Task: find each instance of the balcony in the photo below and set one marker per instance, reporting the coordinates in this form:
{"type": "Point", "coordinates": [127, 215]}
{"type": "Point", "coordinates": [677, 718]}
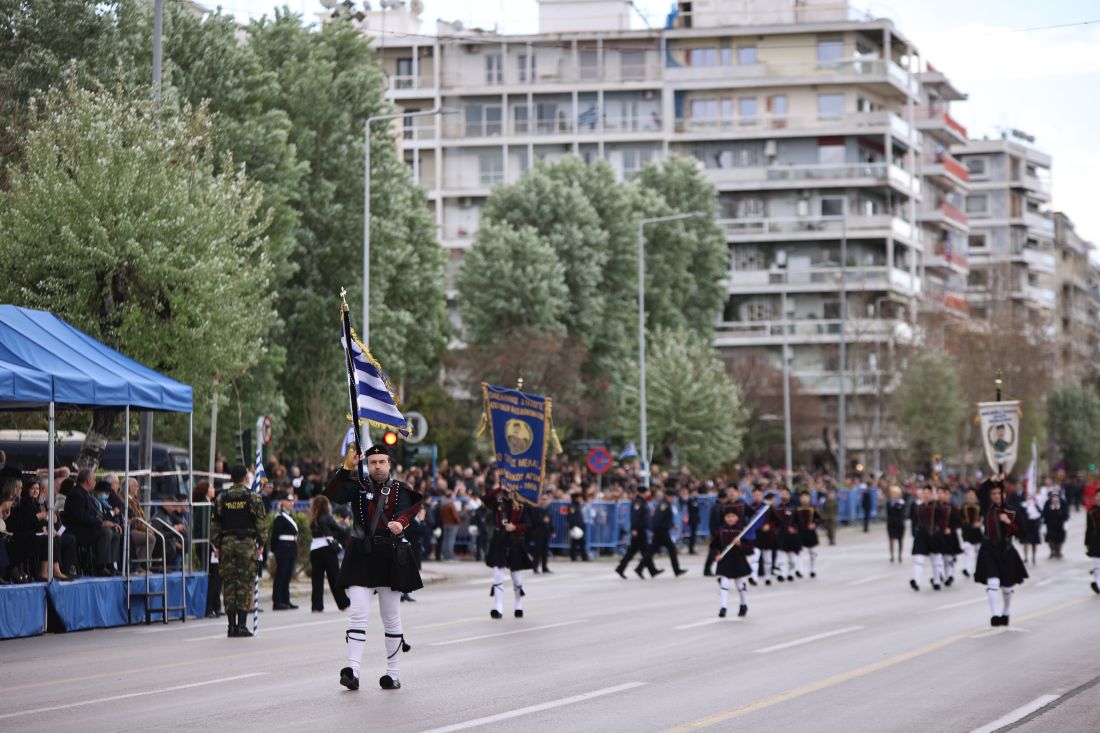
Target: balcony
{"type": "Point", "coordinates": [861, 71]}
{"type": "Point", "coordinates": [1039, 222]}
{"type": "Point", "coordinates": [1039, 260]}
{"type": "Point", "coordinates": [806, 331]}
{"type": "Point", "coordinates": [817, 227]}
{"type": "Point", "coordinates": [766, 125]}
{"type": "Point", "coordinates": [822, 278]}
{"type": "Point", "coordinates": [799, 176]}
{"type": "Point", "coordinates": [1044, 298]}
{"type": "Point", "coordinates": [945, 257]}
{"type": "Point", "coordinates": [946, 170]}
{"type": "Point", "coordinates": [948, 216]}
{"type": "Point", "coordinates": [941, 125]}
{"type": "Point", "coordinates": [644, 72]}
{"type": "Point", "coordinates": [409, 85]}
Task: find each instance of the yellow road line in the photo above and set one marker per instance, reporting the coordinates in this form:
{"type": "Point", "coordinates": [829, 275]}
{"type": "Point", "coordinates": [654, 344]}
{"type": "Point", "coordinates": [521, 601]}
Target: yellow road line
{"type": "Point", "coordinates": [850, 675]}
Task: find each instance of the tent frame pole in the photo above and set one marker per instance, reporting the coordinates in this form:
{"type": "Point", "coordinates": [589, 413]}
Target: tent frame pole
{"type": "Point", "coordinates": [51, 436]}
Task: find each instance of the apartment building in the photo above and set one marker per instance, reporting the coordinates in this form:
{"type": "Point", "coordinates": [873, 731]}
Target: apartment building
{"type": "Point", "coordinates": [822, 131]}
{"type": "Point", "coordinates": [1077, 323]}
{"type": "Point", "coordinates": [1013, 265]}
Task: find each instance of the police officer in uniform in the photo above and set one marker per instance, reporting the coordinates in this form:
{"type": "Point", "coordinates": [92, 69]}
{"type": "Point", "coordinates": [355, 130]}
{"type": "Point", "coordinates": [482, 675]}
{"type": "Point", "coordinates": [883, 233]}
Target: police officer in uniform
{"type": "Point", "coordinates": [662, 531]}
{"type": "Point", "coordinates": [541, 532]}
{"type": "Point", "coordinates": [378, 560]}
{"type": "Point", "coordinates": [238, 514]}
{"type": "Point", "coordinates": [577, 545]}
{"type": "Point", "coordinates": [639, 523]}
{"type": "Point", "coordinates": [284, 542]}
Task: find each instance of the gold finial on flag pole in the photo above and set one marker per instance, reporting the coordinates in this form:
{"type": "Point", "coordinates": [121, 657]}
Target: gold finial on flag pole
{"type": "Point", "coordinates": [343, 300]}
{"type": "Point", "coordinates": [519, 383]}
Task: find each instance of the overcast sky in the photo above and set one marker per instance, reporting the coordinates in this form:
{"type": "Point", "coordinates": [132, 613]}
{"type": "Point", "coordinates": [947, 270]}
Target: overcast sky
{"type": "Point", "coordinates": [1019, 72]}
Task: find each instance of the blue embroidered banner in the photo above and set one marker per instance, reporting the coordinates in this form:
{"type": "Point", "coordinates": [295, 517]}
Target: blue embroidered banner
{"type": "Point", "coordinates": [520, 425]}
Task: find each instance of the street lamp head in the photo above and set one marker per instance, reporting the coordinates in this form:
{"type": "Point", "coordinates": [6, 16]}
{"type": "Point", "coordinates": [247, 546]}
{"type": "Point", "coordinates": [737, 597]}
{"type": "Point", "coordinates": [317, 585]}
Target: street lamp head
{"type": "Point", "coordinates": [446, 111]}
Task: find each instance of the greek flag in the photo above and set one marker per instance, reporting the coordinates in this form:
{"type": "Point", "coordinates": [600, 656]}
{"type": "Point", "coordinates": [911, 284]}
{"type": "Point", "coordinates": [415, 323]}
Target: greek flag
{"type": "Point", "coordinates": [374, 397]}
{"type": "Point", "coordinates": [259, 477]}
{"type": "Point", "coordinates": [631, 451]}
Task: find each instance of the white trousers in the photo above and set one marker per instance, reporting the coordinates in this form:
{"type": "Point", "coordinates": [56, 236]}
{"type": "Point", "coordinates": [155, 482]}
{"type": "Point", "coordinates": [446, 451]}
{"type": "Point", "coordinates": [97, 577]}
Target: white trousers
{"type": "Point", "coordinates": [498, 588]}
{"type": "Point", "coordinates": [389, 608]}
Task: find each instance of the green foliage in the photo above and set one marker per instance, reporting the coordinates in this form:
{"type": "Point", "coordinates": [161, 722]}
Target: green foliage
{"type": "Point", "coordinates": [126, 223]}
{"type": "Point", "coordinates": [451, 423]}
{"type": "Point", "coordinates": [696, 415]}
{"type": "Point", "coordinates": [1073, 424]}
{"type": "Point", "coordinates": [929, 407]}
{"type": "Point", "coordinates": [510, 280]}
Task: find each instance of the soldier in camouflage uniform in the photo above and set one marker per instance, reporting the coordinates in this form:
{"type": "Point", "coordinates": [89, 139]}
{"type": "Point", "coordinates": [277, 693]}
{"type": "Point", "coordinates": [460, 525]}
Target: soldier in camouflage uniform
{"type": "Point", "coordinates": [238, 515]}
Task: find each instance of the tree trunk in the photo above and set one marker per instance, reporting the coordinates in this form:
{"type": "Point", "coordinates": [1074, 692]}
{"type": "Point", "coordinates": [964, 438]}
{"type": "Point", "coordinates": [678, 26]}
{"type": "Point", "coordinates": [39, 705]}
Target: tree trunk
{"type": "Point", "coordinates": [95, 442]}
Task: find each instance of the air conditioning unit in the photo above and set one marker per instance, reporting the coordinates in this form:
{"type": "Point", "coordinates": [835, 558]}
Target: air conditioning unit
{"type": "Point", "coordinates": [648, 94]}
{"type": "Point", "coordinates": [770, 148]}
{"type": "Point", "coordinates": [465, 202]}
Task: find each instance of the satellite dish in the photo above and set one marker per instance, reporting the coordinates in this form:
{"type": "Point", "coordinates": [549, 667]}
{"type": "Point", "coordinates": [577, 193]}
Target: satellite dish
{"type": "Point", "coordinates": [459, 26]}
{"type": "Point", "coordinates": [416, 6]}
{"type": "Point", "coordinates": [329, 4]}
{"type": "Point", "coordinates": [366, 5]}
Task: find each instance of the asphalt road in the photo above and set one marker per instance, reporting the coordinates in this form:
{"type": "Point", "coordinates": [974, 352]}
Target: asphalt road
{"type": "Point", "coordinates": [852, 650]}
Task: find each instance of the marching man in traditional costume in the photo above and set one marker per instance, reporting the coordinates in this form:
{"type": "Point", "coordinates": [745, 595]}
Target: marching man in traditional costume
{"type": "Point", "coordinates": [508, 548]}
{"type": "Point", "coordinates": [999, 567]}
{"type": "Point", "coordinates": [378, 559]}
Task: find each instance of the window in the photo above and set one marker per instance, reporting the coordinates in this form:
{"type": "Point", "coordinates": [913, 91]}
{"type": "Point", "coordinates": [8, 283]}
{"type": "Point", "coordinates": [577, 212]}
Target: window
{"type": "Point", "coordinates": [832, 206]}
{"type": "Point", "coordinates": [632, 65]}
{"type": "Point", "coordinates": [976, 166]}
{"type": "Point", "coordinates": [408, 130]}
{"type": "Point", "coordinates": [483, 120]}
{"type": "Point", "coordinates": [726, 55]}
{"type": "Point", "coordinates": [758, 310]}
{"type": "Point", "coordinates": [777, 105]}
{"type": "Point", "coordinates": [746, 109]}
{"type": "Point", "coordinates": [634, 159]}
{"type": "Point", "coordinates": [747, 257]}
{"type": "Point", "coordinates": [521, 66]}
{"type": "Point", "coordinates": [977, 204]}
{"type": "Point", "coordinates": [749, 207]}
{"type": "Point", "coordinates": [700, 57]}
{"type": "Point", "coordinates": [590, 64]}
{"type": "Point", "coordinates": [519, 120]}
{"type": "Point", "coordinates": [746, 55]}
{"type": "Point", "coordinates": [829, 53]}
{"type": "Point", "coordinates": [404, 78]}
{"type": "Point", "coordinates": [546, 115]}
{"type": "Point", "coordinates": [831, 154]}
{"type": "Point", "coordinates": [830, 106]}
{"type": "Point", "coordinates": [491, 168]}
{"type": "Point", "coordinates": [704, 108]}
{"type": "Point", "coordinates": [494, 69]}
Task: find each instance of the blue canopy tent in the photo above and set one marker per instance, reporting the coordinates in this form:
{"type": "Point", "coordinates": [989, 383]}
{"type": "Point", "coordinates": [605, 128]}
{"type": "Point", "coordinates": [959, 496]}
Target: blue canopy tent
{"type": "Point", "coordinates": [46, 363]}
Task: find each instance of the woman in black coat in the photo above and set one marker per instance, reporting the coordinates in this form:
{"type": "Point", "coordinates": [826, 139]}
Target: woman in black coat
{"type": "Point", "coordinates": [324, 552]}
{"type": "Point", "coordinates": [1055, 516]}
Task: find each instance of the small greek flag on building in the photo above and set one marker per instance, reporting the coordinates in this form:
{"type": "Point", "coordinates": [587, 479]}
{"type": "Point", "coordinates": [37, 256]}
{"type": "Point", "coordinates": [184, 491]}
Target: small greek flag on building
{"type": "Point", "coordinates": [374, 396]}
{"type": "Point", "coordinates": [259, 477]}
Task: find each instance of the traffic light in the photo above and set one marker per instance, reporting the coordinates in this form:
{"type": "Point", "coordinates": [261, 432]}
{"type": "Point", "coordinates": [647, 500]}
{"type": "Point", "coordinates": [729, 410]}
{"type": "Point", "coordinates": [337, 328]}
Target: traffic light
{"type": "Point", "coordinates": [390, 438]}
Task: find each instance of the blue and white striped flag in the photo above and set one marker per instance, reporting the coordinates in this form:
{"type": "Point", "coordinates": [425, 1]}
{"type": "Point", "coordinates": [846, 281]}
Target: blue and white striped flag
{"type": "Point", "coordinates": [374, 397]}
{"type": "Point", "coordinates": [631, 451]}
{"type": "Point", "coordinates": [259, 477]}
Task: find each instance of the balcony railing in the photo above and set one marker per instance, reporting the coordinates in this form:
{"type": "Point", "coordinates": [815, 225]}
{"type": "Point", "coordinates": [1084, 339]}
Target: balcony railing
{"type": "Point", "coordinates": [950, 164]}
{"type": "Point", "coordinates": [407, 82]}
{"type": "Point", "coordinates": [802, 225]}
{"type": "Point", "coordinates": [859, 120]}
{"type": "Point", "coordinates": [950, 254]}
{"type": "Point", "coordinates": [843, 70]}
{"type": "Point", "coordinates": [1039, 222]}
{"type": "Point", "coordinates": [563, 72]}
{"type": "Point", "coordinates": [804, 328]}
{"type": "Point", "coordinates": [865, 277]}
{"type": "Point", "coordinates": [940, 115]}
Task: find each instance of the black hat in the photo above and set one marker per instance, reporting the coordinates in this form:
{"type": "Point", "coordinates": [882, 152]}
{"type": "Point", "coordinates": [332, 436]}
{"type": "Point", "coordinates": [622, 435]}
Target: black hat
{"type": "Point", "coordinates": [376, 450]}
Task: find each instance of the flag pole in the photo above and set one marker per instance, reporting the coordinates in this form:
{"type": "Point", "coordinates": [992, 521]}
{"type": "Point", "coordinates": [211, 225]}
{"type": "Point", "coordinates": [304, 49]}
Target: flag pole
{"type": "Point", "coordinates": [353, 397]}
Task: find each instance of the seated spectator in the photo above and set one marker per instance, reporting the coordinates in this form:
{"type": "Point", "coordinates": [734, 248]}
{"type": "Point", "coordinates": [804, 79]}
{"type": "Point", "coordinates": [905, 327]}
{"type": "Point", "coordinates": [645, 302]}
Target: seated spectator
{"type": "Point", "coordinates": [8, 471]}
{"type": "Point", "coordinates": [28, 524]}
{"type": "Point", "coordinates": [176, 518]}
{"type": "Point", "coordinates": [84, 517]}
{"type": "Point", "coordinates": [5, 561]}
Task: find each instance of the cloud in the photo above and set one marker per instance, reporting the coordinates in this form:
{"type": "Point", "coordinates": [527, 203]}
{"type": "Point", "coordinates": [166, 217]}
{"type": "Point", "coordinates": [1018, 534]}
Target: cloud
{"type": "Point", "coordinates": [982, 52]}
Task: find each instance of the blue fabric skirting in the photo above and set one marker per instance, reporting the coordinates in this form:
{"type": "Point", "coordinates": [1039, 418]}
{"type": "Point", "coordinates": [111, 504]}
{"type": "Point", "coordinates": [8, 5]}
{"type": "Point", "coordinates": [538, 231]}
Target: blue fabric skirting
{"type": "Point", "coordinates": [91, 603]}
{"type": "Point", "coordinates": [22, 610]}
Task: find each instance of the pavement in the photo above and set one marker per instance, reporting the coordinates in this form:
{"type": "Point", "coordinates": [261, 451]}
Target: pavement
{"type": "Point", "coordinates": [853, 650]}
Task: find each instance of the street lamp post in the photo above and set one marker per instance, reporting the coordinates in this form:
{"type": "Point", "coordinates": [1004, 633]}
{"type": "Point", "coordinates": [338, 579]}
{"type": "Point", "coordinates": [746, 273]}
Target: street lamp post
{"type": "Point", "coordinates": [842, 407]}
{"type": "Point", "coordinates": [366, 200]}
{"type": "Point", "coordinates": [644, 448]}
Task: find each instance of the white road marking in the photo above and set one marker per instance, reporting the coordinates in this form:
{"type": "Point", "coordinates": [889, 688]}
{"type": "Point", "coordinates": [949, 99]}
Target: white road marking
{"type": "Point", "coordinates": [960, 604]}
{"type": "Point", "coordinates": [808, 639]}
{"type": "Point", "coordinates": [507, 633]}
{"type": "Point", "coordinates": [997, 632]}
{"type": "Point", "coordinates": [536, 708]}
{"type": "Point", "coordinates": [129, 695]}
{"type": "Point", "coordinates": [270, 629]}
{"type": "Point", "coordinates": [867, 580]}
{"type": "Point", "coordinates": [1017, 714]}
{"type": "Point", "coordinates": [708, 622]}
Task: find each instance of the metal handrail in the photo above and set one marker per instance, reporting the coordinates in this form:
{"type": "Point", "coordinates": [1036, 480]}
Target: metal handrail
{"type": "Point", "coordinates": [183, 578]}
{"type": "Point", "coordinates": [149, 560]}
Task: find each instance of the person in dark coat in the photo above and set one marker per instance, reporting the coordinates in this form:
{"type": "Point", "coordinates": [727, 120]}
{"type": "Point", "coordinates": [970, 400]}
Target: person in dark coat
{"type": "Point", "coordinates": [999, 566]}
{"type": "Point", "coordinates": [1092, 542]}
{"type": "Point", "coordinates": [377, 558]}
{"type": "Point", "coordinates": [324, 552]}
{"type": "Point", "coordinates": [84, 517]}
{"type": "Point", "coordinates": [1055, 516]}
{"type": "Point", "coordinates": [508, 547]}
{"type": "Point", "coordinates": [896, 510]}
{"type": "Point", "coordinates": [734, 565]}
{"type": "Point", "coordinates": [541, 532]}
{"type": "Point", "coordinates": [639, 542]}
{"type": "Point", "coordinates": [577, 528]}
